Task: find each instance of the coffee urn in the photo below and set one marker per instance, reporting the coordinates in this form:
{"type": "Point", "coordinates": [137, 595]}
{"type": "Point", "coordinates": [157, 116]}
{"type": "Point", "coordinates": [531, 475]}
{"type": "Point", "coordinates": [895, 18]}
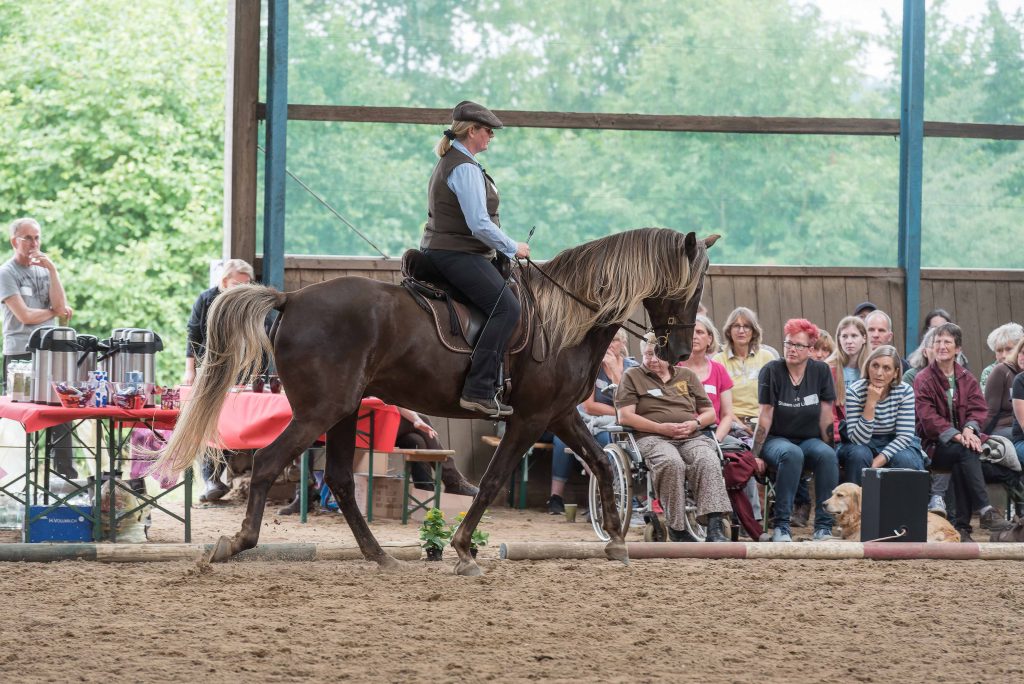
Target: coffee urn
{"type": "Point", "coordinates": [138, 355]}
{"type": "Point", "coordinates": [88, 346]}
{"type": "Point", "coordinates": [110, 360]}
{"type": "Point", "coordinates": [54, 359]}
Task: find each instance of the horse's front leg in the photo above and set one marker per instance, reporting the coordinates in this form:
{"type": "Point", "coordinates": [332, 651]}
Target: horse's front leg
{"type": "Point", "coordinates": [573, 431]}
{"type": "Point", "coordinates": [520, 435]}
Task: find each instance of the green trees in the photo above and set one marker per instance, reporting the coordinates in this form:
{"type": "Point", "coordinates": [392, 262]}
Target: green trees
{"type": "Point", "coordinates": [111, 126]}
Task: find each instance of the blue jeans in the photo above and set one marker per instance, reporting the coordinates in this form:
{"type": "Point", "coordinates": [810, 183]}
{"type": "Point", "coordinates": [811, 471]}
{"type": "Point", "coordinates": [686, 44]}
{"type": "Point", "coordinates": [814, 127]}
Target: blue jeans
{"type": "Point", "coordinates": [855, 457]}
{"type": "Point", "coordinates": [788, 459]}
{"type": "Point", "coordinates": [562, 464]}
{"type": "Point", "coordinates": [1019, 446]}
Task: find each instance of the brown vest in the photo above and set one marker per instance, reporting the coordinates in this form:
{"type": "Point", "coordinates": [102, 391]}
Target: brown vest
{"type": "Point", "coordinates": [446, 226]}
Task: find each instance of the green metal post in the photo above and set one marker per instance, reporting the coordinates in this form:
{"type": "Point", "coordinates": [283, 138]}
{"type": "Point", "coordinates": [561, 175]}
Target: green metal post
{"type": "Point", "coordinates": [524, 466]}
{"type": "Point", "coordinates": [189, 479]}
{"type": "Point", "coordinates": [304, 486]}
{"type": "Point", "coordinates": [277, 119]}
{"type": "Point", "coordinates": [405, 493]}
{"type": "Point", "coordinates": [97, 483]}
{"type": "Point", "coordinates": [369, 477]}
{"type": "Point", "coordinates": [911, 162]}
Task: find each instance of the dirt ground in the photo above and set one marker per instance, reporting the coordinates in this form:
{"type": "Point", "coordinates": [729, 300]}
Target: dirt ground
{"type": "Point", "coordinates": [655, 620]}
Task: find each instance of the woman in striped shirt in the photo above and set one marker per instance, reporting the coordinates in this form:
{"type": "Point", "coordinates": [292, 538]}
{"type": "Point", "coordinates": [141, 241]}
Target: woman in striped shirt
{"type": "Point", "coordinates": [880, 419]}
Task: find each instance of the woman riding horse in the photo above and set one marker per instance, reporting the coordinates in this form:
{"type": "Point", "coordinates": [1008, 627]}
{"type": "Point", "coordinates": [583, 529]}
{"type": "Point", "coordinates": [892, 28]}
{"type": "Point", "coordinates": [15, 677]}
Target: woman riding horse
{"type": "Point", "coordinates": [461, 237]}
{"type": "Point", "coordinates": [371, 338]}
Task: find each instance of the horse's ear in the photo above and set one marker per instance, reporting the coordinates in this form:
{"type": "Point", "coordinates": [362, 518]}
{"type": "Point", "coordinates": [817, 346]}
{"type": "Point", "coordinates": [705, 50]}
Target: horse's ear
{"type": "Point", "coordinates": [710, 240]}
{"type": "Point", "coordinates": [690, 243]}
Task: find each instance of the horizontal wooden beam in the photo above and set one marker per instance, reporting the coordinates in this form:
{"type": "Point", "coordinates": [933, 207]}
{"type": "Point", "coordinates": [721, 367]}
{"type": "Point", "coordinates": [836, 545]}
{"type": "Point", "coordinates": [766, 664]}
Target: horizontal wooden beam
{"type": "Point", "coordinates": [360, 263]}
{"type": "Point", "coordinates": [656, 122]}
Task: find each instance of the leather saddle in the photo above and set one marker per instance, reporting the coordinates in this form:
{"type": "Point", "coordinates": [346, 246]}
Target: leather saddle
{"type": "Point", "coordinates": [458, 322]}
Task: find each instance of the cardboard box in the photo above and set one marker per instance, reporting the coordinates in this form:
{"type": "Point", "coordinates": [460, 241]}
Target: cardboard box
{"type": "Point", "coordinates": [384, 463]}
{"type": "Point", "coordinates": [387, 499]}
{"type": "Point", "coordinates": [62, 524]}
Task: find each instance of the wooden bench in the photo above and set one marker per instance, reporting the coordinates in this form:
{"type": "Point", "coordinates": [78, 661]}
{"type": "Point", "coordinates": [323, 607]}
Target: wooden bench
{"type": "Point", "coordinates": [410, 456]}
{"type": "Point", "coordinates": [523, 475]}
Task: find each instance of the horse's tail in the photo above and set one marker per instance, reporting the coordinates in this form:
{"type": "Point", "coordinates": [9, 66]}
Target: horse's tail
{"type": "Point", "coordinates": [235, 343]}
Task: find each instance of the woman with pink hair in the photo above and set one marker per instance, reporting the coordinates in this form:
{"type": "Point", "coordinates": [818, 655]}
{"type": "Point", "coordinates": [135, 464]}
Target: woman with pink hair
{"type": "Point", "coordinates": [794, 427]}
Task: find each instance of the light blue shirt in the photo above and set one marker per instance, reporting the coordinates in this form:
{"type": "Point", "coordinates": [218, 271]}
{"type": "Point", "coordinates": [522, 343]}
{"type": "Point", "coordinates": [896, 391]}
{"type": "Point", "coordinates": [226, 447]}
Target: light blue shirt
{"type": "Point", "coordinates": [467, 182]}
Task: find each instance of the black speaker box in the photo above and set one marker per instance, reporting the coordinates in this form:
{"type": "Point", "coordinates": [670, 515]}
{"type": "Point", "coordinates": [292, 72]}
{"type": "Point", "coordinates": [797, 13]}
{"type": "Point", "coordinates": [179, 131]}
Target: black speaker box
{"type": "Point", "coordinates": [894, 499]}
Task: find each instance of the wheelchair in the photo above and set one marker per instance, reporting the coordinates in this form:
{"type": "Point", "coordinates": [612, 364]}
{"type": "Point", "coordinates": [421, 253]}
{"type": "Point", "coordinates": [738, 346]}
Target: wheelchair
{"type": "Point", "coordinates": [633, 489]}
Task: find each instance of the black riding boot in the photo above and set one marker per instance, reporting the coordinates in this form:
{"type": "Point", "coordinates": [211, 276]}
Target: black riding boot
{"type": "Point", "coordinates": [680, 536]}
{"type": "Point", "coordinates": [716, 528]}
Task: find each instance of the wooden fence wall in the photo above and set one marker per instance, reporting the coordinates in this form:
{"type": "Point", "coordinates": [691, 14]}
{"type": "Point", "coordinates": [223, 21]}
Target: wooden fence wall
{"type": "Point", "coordinates": [978, 300]}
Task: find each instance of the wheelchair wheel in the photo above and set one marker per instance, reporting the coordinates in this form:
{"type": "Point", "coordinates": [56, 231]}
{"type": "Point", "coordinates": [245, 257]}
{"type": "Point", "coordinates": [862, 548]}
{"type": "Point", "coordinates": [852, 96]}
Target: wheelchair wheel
{"type": "Point", "coordinates": [621, 487]}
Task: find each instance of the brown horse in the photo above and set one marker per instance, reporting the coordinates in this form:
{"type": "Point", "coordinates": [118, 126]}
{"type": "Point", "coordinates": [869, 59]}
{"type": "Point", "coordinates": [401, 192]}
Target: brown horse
{"type": "Point", "coordinates": [341, 340]}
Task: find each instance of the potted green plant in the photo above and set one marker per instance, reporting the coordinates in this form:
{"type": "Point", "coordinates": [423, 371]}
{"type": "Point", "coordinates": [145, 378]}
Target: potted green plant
{"type": "Point", "coordinates": [435, 534]}
{"type": "Point", "coordinates": [479, 537]}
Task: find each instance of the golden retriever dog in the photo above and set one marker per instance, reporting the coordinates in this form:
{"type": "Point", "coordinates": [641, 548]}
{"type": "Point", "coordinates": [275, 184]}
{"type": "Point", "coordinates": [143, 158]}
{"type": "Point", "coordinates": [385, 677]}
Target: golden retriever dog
{"type": "Point", "coordinates": [844, 504]}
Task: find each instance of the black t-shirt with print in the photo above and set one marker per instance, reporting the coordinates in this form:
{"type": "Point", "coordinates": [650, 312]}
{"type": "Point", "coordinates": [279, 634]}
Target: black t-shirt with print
{"type": "Point", "coordinates": [797, 413]}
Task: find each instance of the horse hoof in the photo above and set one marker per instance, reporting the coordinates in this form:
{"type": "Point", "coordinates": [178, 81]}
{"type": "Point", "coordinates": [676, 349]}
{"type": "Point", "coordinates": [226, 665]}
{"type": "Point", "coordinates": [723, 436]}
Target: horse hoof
{"type": "Point", "coordinates": [468, 569]}
{"type": "Point", "coordinates": [390, 564]}
{"type": "Point", "coordinates": [617, 551]}
{"type": "Point", "coordinates": [220, 552]}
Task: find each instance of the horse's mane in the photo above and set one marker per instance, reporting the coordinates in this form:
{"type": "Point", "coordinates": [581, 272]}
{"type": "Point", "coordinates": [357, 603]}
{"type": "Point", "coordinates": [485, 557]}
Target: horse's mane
{"type": "Point", "coordinates": [614, 274]}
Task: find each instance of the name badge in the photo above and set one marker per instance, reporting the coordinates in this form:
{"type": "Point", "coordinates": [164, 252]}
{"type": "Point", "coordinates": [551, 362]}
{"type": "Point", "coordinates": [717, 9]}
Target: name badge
{"type": "Point", "coordinates": [710, 389]}
{"type": "Point", "coordinates": [811, 400]}
{"type": "Point", "coordinates": [655, 392]}
{"type": "Point", "coordinates": [26, 291]}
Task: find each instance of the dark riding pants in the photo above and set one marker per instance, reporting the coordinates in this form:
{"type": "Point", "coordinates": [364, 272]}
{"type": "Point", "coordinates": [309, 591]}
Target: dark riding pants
{"type": "Point", "coordinates": [479, 281]}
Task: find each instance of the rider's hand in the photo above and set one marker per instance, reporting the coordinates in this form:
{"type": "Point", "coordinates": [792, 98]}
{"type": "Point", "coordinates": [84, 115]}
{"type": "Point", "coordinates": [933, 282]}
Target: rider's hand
{"type": "Point", "coordinates": [522, 250]}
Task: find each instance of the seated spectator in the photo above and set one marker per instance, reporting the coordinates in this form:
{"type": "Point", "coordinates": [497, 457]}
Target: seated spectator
{"type": "Point", "coordinates": [743, 357]}
{"type": "Point", "coordinates": [718, 386]}
{"type": "Point", "coordinates": [416, 432]}
{"type": "Point", "coordinates": [863, 309]}
{"type": "Point", "coordinates": [950, 409]}
{"type": "Point", "coordinates": [598, 410]}
{"type": "Point", "coordinates": [999, 420]}
{"type": "Point", "coordinates": [920, 357]}
{"type": "Point", "coordinates": [669, 408]}
{"type": "Point", "coordinates": [879, 325]}
{"type": "Point", "coordinates": [880, 419]}
{"type": "Point", "coordinates": [824, 346]}
{"type": "Point", "coordinates": [794, 429]}
{"type": "Point", "coordinates": [1001, 341]}
{"type": "Point", "coordinates": [852, 337]}
{"type": "Point", "coordinates": [934, 319]}
{"type": "Point", "coordinates": [1017, 399]}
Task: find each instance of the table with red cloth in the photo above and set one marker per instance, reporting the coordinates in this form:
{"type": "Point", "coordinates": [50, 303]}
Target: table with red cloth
{"type": "Point", "coordinates": [252, 420]}
{"type": "Point", "coordinates": [110, 423]}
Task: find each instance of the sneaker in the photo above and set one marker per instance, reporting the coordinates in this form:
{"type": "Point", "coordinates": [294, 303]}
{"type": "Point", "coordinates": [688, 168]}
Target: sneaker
{"type": "Point", "coordinates": [937, 505]}
{"type": "Point", "coordinates": [215, 491]}
{"type": "Point", "coordinates": [637, 519]}
{"type": "Point", "coordinates": [822, 534]}
{"type": "Point", "coordinates": [801, 514]}
{"type": "Point", "coordinates": [488, 406]}
{"type": "Point", "coordinates": [993, 520]}
{"type": "Point", "coordinates": [781, 534]}
{"type": "Point", "coordinates": [556, 505]}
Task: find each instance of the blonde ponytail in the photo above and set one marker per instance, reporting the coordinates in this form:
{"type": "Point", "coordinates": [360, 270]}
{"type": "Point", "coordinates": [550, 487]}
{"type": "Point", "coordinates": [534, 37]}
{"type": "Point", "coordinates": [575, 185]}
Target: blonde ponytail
{"type": "Point", "coordinates": [460, 129]}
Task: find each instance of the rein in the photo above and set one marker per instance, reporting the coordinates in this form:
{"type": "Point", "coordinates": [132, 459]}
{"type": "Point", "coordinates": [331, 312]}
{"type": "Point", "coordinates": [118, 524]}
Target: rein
{"type": "Point", "coordinates": [661, 340]}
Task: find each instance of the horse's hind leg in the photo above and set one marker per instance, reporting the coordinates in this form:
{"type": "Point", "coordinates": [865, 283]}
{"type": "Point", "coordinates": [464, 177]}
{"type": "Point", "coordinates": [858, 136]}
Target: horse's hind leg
{"type": "Point", "coordinates": [341, 441]}
{"type": "Point", "coordinates": [577, 437]}
{"type": "Point", "coordinates": [267, 464]}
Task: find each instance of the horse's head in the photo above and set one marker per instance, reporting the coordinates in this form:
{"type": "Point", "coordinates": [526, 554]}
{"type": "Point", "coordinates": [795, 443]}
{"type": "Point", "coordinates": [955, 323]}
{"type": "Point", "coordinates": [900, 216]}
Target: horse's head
{"type": "Point", "coordinates": [672, 320]}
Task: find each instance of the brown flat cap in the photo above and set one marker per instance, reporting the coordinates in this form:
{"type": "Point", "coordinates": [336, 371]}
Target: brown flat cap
{"type": "Point", "coordinates": [471, 111]}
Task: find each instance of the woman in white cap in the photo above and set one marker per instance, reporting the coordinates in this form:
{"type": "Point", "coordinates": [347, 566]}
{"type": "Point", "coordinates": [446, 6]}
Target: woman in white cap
{"type": "Point", "coordinates": [461, 238]}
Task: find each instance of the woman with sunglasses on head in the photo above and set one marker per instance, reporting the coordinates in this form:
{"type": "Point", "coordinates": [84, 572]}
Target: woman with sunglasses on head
{"type": "Point", "coordinates": [461, 238]}
{"type": "Point", "coordinates": [743, 356]}
{"type": "Point", "coordinates": [794, 428]}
